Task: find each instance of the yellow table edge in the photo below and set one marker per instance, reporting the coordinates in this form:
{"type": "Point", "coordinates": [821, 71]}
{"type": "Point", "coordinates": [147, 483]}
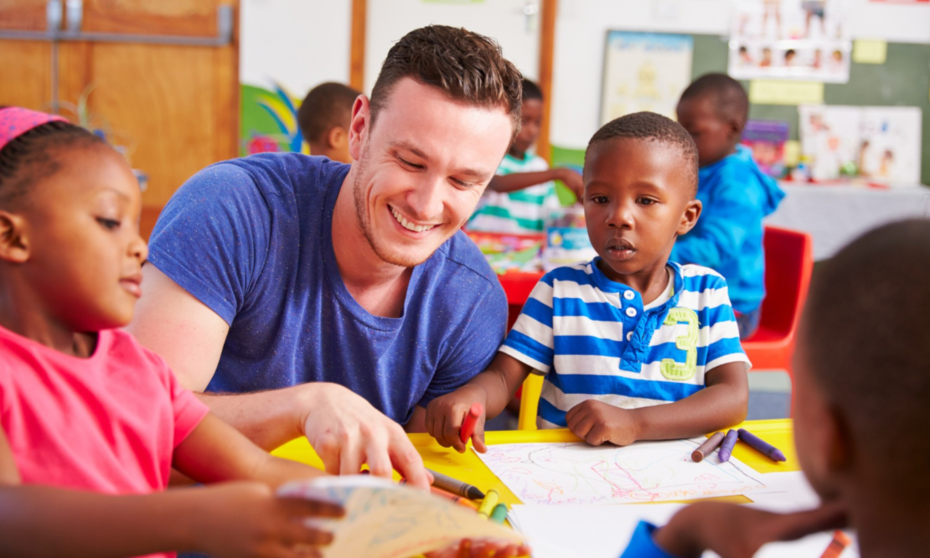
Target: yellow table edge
{"type": "Point", "coordinates": [468, 467]}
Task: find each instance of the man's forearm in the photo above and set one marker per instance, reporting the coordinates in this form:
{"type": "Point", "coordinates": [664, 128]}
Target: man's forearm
{"type": "Point", "coordinates": [268, 418]}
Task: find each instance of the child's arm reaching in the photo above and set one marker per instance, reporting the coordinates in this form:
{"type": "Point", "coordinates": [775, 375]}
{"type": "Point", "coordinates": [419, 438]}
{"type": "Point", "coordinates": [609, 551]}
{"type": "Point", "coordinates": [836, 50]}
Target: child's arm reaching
{"type": "Point", "coordinates": [521, 180]}
{"type": "Point", "coordinates": [229, 520]}
{"type": "Point", "coordinates": [722, 403]}
{"type": "Point", "coordinates": [493, 388]}
{"type": "Point", "coordinates": [737, 531]}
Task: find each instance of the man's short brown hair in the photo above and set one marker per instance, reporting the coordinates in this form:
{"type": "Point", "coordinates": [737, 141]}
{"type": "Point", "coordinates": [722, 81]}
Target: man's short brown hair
{"type": "Point", "coordinates": [466, 66]}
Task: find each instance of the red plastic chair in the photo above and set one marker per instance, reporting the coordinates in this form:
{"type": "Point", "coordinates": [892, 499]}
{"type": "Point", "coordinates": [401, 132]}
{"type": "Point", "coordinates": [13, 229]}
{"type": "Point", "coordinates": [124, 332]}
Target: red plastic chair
{"type": "Point", "coordinates": [789, 262]}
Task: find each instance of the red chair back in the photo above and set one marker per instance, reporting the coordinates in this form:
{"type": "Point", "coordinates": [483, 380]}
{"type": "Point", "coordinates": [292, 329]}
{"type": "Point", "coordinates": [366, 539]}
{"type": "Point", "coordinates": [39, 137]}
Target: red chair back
{"type": "Point", "coordinates": [788, 265]}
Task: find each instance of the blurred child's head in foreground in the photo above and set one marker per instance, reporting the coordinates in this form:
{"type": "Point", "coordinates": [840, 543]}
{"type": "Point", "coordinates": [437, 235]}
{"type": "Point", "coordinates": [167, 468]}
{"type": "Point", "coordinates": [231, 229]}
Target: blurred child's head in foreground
{"type": "Point", "coordinates": [640, 176]}
{"type": "Point", "coordinates": [70, 250]}
{"type": "Point", "coordinates": [862, 377]}
{"type": "Point", "coordinates": [714, 109]}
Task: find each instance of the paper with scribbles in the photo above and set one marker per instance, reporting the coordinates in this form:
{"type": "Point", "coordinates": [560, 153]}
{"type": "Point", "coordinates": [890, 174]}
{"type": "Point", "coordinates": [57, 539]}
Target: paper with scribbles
{"type": "Point", "coordinates": [578, 473]}
{"type": "Point", "coordinates": [387, 520]}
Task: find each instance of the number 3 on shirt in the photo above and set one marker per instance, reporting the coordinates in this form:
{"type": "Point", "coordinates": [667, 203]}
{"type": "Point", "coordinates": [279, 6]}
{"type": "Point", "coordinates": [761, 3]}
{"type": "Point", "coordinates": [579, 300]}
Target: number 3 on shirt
{"type": "Point", "coordinates": [688, 343]}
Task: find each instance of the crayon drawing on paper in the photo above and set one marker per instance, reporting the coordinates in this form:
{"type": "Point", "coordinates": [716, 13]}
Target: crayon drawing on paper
{"type": "Point", "coordinates": [577, 473]}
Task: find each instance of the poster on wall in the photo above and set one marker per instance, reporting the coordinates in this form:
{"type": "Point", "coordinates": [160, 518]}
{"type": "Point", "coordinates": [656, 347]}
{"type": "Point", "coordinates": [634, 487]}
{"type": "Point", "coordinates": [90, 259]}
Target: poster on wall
{"type": "Point", "coordinates": [644, 71]}
{"type": "Point", "coordinates": [879, 144]}
{"type": "Point", "coordinates": [790, 39]}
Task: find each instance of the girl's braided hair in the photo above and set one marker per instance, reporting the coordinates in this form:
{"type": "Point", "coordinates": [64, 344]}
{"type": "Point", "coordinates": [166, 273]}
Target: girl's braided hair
{"type": "Point", "coordinates": [30, 157]}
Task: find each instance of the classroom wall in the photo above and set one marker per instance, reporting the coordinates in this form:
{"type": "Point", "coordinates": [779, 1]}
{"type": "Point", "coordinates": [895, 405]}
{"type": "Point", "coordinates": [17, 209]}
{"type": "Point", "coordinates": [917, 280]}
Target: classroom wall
{"type": "Point", "coordinates": [298, 43]}
{"type": "Point", "coordinates": [514, 23]}
{"type": "Point", "coordinates": [582, 25]}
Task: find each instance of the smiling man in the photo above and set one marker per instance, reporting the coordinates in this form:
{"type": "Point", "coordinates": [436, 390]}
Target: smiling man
{"type": "Point", "coordinates": [307, 297]}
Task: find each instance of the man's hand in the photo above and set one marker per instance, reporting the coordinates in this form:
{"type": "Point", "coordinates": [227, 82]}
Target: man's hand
{"type": "Point", "coordinates": [244, 519]}
{"type": "Point", "coordinates": [597, 422]}
{"type": "Point", "coordinates": [347, 431]}
{"type": "Point", "coordinates": [738, 531]}
{"type": "Point", "coordinates": [445, 414]}
{"type": "Point", "coordinates": [572, 181]}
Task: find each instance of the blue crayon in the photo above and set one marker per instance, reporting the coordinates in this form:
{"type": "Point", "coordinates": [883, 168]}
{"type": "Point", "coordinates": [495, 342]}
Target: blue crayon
{"type": "Point", "coordinates": [761, 446]}
{"type": "Point", "coordinates": [726, 448]}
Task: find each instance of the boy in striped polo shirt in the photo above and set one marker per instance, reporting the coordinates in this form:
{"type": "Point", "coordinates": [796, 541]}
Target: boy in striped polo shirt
{"type": "Point", "coordinates": [633, 347]}
{"type": "Point", "coordinates": [522, 191]}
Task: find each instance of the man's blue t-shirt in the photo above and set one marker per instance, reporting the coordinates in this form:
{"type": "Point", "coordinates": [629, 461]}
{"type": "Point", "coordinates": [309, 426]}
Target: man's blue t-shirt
{"type": "Point", "coordinates": [252, 239]}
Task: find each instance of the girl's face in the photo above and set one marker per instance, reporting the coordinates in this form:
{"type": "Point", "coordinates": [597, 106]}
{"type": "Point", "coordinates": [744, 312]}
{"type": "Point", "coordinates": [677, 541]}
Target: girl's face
{"type": "Point", "coordinates": [82, 228]}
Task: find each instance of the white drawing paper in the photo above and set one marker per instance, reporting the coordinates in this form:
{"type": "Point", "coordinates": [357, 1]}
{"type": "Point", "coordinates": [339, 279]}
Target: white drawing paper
{"type": "Point", "coordinates": [577, 473]}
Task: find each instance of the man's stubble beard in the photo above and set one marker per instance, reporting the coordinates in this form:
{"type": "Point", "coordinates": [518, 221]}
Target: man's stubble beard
{"type": "Point", "coordinates": [364, 220]}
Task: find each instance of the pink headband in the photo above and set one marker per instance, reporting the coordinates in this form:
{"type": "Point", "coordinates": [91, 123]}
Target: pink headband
{"type": "Point", "coordinates": [16, 121]}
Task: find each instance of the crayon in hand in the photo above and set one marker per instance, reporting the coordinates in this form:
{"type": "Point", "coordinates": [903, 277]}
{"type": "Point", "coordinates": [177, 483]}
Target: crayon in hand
{"type": "Point", "coordinates": [726, 448]}
{"type": "Point", "coordinates": [761, 446]}
{"type": "Point", "coordinates": [471, 420]}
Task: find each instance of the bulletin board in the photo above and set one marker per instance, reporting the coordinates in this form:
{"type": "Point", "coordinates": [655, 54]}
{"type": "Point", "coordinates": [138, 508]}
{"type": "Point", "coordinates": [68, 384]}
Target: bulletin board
{"type": "Point", "coordinates": [903, 80]}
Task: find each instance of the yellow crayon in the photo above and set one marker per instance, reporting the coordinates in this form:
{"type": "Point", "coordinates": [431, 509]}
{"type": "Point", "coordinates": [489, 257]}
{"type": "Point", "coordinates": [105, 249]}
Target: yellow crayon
{"type": "Point", "coordinates": [487, 505]}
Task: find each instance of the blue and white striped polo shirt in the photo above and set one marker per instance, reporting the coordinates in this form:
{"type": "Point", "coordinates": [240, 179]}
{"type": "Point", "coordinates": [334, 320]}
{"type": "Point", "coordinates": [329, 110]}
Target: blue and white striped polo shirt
{"type": "Point", "coordinates": [593, 339]}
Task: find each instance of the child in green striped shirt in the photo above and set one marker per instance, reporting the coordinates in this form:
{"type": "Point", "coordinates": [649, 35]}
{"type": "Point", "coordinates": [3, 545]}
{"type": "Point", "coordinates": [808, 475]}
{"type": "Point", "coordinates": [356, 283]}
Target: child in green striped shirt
{"type": "Point", "coordinates": [523, 190]}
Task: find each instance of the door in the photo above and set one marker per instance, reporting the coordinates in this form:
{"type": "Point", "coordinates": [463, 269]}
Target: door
{"type": "Point", "coordinates": [172, 109]}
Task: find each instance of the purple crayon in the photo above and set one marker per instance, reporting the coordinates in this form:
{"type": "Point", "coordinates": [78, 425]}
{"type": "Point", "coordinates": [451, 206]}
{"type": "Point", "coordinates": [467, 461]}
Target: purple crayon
{"type": "Point", "coordinates": [761, 446]}
{"type": "Point", "coordinates": [726, 448]}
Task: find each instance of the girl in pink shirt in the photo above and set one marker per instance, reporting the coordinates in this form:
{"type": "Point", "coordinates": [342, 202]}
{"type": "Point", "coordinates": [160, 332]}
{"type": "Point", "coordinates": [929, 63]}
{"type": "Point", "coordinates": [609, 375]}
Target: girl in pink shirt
{"type": "Point", "coordinates": [91, 421]}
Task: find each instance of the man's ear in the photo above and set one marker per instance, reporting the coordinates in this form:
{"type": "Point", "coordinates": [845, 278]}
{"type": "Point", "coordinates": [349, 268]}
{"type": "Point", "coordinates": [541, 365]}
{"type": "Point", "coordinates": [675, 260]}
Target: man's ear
{"type": "Point", "coordinates": [14, 239]}
{"type": "Point", "coordinates": [359, 126]}
{"type": "Point", "coordinates": [337, 138]}
{"type": "Point", "coordinates": [689, 217]}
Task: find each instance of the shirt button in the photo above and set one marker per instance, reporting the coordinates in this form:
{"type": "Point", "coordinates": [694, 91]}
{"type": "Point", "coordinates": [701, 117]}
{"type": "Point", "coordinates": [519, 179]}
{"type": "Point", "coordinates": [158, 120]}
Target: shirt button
{"type": "Point", "coordinates": [631, 312]}
{"type": "Point", "coordinates": [629, 335]}
{"type": "Point", "coordinates": [629, 295]}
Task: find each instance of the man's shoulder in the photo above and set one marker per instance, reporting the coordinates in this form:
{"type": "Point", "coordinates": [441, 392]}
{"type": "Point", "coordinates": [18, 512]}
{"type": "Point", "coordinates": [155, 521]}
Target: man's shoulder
{"type": "Point", "coordinates": [465, 258]}
{"type": "Point", "coordinates": [283, 174]}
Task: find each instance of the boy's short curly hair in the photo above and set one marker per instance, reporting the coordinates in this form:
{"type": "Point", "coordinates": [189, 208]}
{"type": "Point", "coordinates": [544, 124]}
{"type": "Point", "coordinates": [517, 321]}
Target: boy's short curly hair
{"type": "Point", "coordinates": [864, 334]}
{"type": "Point", "coordinates": [29, 157]}
{"type": "Point", "coordinates": [649, 126]}
{"type": "Point", "coordinates": [466, 66]}
{"type": "Point", "coordinates": [326, 106]}
{"type": "Point", "coordinates": [728, 96]}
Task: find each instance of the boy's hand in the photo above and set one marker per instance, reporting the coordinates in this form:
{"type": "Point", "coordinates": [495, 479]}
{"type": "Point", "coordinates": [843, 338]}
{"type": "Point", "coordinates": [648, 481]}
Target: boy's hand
{"type": "Point", "coordinates": [468, 548]}
{"type": "Point", "coordinates": [244, 519]}
{"type": "Point", "coordinates": [572, 181]}
{"type": "Point", "coordinates": [738, 531]}
{"type": "Point", "coordinates": [445, 414]}
{"type": "Point", "coordinates": [597, 422]}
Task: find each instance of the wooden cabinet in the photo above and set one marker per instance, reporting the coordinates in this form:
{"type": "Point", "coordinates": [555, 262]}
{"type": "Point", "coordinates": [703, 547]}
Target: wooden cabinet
{"type": "Point", "coordinates": [173, 108]}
